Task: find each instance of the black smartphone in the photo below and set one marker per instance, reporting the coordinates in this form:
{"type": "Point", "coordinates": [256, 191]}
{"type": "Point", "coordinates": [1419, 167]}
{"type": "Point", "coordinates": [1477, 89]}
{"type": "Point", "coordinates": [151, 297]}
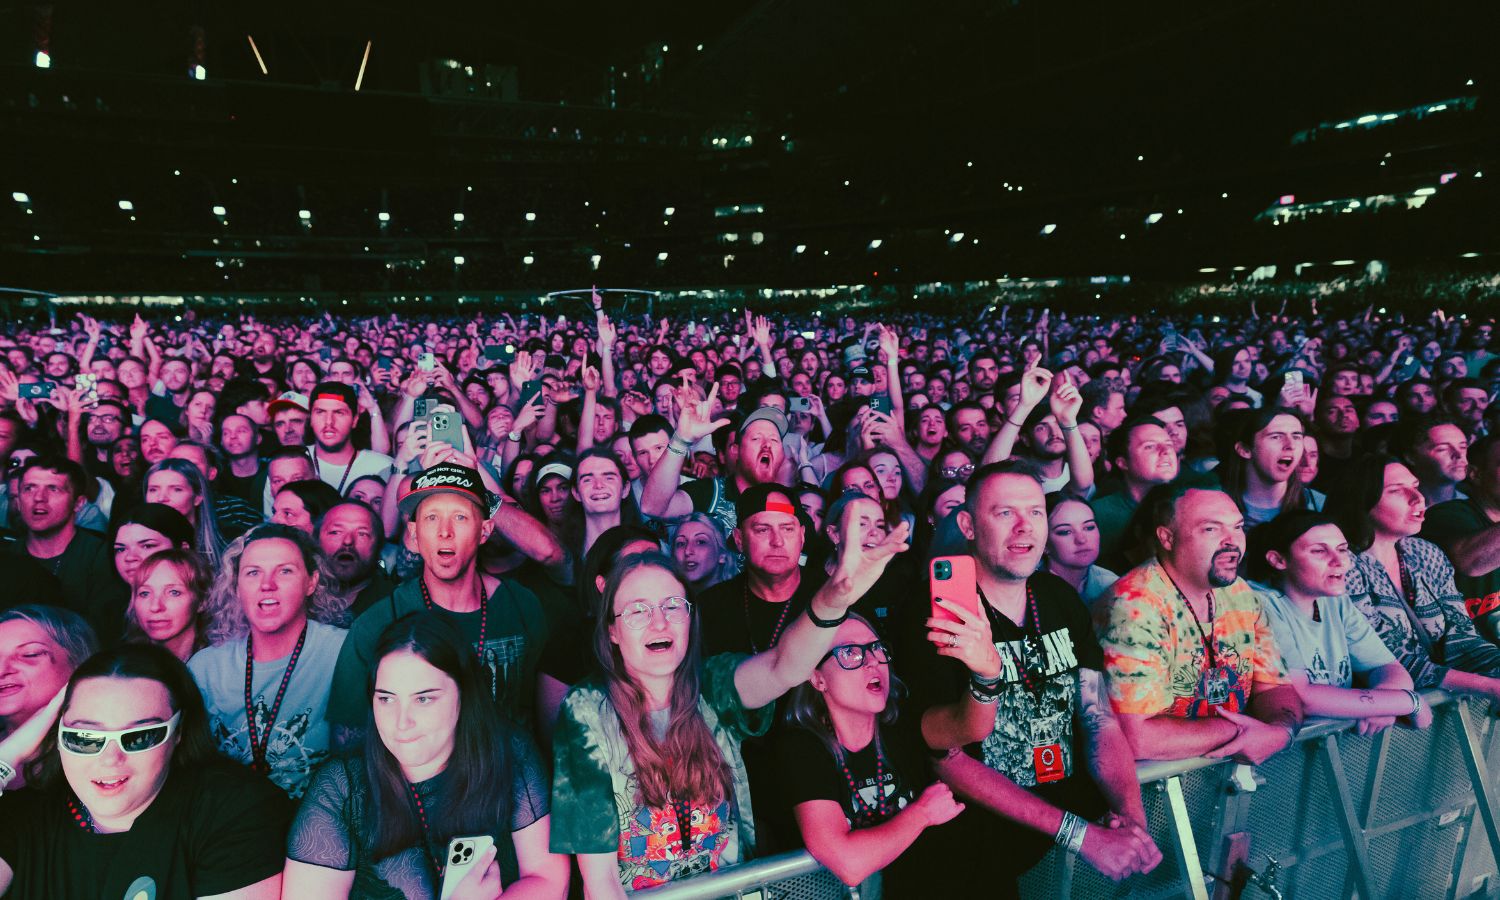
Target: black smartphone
{"type": "Point", "coordinates": [34, 390]}
{"type": "Point", "coordinates": [421, 406]}
{"type": "Point", "coordinates": [529, 390]}
{"type": "Point", "coordinates": [880, 403]}
{"type": "Point", "coordinates": [505, 355]}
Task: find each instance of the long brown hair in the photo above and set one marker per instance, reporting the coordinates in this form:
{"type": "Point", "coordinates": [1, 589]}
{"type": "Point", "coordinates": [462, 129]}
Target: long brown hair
{"type": "Point", "coordinates": [686, 763]}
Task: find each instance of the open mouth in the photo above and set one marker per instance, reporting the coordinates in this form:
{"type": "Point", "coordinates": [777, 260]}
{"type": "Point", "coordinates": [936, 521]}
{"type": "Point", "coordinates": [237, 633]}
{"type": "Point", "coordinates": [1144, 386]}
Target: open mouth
{"type": "Point", "coordinates": [765, 458]}
{"type": "Point", "coordinates": [11, 687]}
{"type": "Point", "coordinates": [1020, 548]}
{"type": "Point", "coordinates": [659, 645]}
{"type": "Point", "coordinates": [875, 685]}
{"type": "Point", "coordinates": [109, 785]}
{"type": "Point", "coordinates": [1286, 462]}
{"type": "Point", "coordinates": [267, 604]}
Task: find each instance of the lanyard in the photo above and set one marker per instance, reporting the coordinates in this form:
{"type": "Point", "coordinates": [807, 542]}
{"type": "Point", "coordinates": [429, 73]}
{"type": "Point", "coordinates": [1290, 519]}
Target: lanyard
{"type": "Point", "coordinates": [437, 861]}
{"type": "Point", "coordinates": [259, 745]}
{"type": "Point", "coordinates": [1408, 589]}
{"type": "Point", "coordinates": [786, 606]}
{"type": "Point", "coordinates": [1210, 645]}
{"type": "Point", "coordinates": [1042, 663]}
{"type": "Point", "coordinates": [484, 609]}
{"type": "Point", "coordinates": [347, 469]}
{"type": "Point", "coordinates": [865, 812]}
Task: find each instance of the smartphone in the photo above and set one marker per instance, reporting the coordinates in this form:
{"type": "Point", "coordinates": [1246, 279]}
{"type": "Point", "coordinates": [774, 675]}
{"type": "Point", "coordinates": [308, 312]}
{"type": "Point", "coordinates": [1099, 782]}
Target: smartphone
{"type": "Point", "coordinates": [954, 579]}
{"type": "Point", "coordinates": [106, 343]}
{"type": "Point", "coordinates": [384, 363]}
{"type": "Point", "coordinates": [446, 426]}
{"type": "Point", "coordinates": [421, 406]}
{"type": "Point", "coordinates": [880, 403]}
{"type": "Point", "coordinates": [799, 405]}
{"type": "Point", "coordinates": [528, 390]}
{"type": "Point", "coordinates": [463, 855]}
{"type": "Point", "coordinates": [427, 362]}
{"type": "Point", "coordinates": [809, 335]}
{"type": "Point", "coordinates": [504, 355]}
{"type": "Point", "coordinates": [34, 390]}
{"type": "Point", "coordinates": [1294, 379]}
{"type": "Point", "coordinates": [85, 384]}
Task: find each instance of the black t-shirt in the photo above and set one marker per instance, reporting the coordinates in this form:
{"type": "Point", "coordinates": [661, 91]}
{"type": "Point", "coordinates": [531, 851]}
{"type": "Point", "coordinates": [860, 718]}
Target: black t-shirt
{"type": "Point", "coordinates": [213, 828]}
{"type": "Point", "coordinates": [808, 771]}
{"type": "Point", "coordinates": [715, 497]}
{"type": "Point", "coordinates": [250, 488]}
{"type": "Point", "coordinates": [732, 619]}
{"type": "Point", "coordinates": [91, 585]}
{"type": "Point", "coordinates": [1028, 719]}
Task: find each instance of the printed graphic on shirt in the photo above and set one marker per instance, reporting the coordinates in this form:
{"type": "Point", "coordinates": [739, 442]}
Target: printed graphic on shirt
{"type": "Point", "coordinates": [651, 846]}
{"type": "Point", "coordinates": [288, 754]}
{"type": "Point", "coordinates": [1025, 719]}
{"type": "Point", "coordinates": [503, 659]}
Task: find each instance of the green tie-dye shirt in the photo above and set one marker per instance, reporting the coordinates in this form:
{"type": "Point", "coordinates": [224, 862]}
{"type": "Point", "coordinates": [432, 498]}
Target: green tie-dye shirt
{"type": "Point", "coordinates": [596, 805]}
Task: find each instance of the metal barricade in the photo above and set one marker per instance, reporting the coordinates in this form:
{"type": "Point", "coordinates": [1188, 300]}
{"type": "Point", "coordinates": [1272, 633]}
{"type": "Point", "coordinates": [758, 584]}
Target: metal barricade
{"type": "Point", "coordinates": [1403, 814]}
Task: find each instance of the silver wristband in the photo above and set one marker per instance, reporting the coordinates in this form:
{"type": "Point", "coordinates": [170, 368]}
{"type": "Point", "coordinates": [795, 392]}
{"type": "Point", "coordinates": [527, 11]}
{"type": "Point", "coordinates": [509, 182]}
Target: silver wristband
{"type": "Point", "coordinates": [7, 773]}
{"type": "Point", "coordinates": [1070, 833]}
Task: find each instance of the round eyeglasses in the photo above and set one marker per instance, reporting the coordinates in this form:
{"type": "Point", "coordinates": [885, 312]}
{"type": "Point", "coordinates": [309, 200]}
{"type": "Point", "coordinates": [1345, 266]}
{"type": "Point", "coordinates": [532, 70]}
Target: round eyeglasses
{"type": "Point", "coordinates": [637, 615]}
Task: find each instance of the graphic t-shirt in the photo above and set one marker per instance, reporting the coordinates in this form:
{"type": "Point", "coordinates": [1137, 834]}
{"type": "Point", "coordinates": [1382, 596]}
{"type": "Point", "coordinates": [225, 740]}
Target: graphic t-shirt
{"type": "Point", "coordinates": [329, 829]}
{"type": "Point", "coordinates": [715, 498]}
{"type": "Point", "coordinates": [299, 739]}
{"type": "Point", "coordinates": [1156, 654]}
{"type": "Point", "coordinates": [515, 631]}
{"type": "Point", "coordinates": [596, 802]}
{"type": "Point", "coordinates": [213, 829]}
{"type": "Point", "coordinates": [1444, 525]}
{"type": "Point", "coordinates": [1332, 648]}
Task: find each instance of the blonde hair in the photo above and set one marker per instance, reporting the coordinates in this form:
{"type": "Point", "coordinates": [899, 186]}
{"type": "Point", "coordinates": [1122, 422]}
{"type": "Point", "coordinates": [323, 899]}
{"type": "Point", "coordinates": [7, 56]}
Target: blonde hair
{"type": "Point", "coordinates": [227, 613]}
{"type": "Point", "coordinates": [198, 577]}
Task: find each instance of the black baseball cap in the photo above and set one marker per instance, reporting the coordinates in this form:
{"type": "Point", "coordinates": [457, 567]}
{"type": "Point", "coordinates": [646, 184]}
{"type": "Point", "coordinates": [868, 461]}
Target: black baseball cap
{"type": "Point", "coordinates": [447, 478]}
{"type": "Point", "coordinates": [334, 390]}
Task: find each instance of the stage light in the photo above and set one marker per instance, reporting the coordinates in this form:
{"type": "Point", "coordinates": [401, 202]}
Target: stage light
{"type": "Point", "coordinates": [458, 217]}
{"type": "Point", "coordinates": [458, 260]}
{"type": "Point", "coordinates": [1049, 228]}
{"type": "Point", "coordinates": [20, 197]}
{"type": "Point", "coordinates": [528, 259]}
{"type": "Point", "coordinates": [383, 216]}
{"type": "Point", "coordinates": [531, 217]}
{"type": "Point", "coordinates": [669, 211]}
{"type": "Point", "coordinates": [1388, 117]}
{"type": "Point", "coordinates": [875, 244]}
{"type": "Point", "coordinates": [1365, 120]}
{"type": "Point", "coordinates": [595, 260]}
{"type": "Point", "coordinates": [1343, 262]}
{"type": "Point", "coordinates": [662, 256]}
{"type": "Point", "coordinates": [957, 236]}
{"type": "Point", "coordinates": [1424, 192]}
{"type": "Point", "coordinates": [1153, 218]}
{"type": "Point", "coordinates": [199, 73]}
{"type": "Point", "coordinates": [304, 214]}
{"type": "Point", "coordinates": [220, 211]}
{"type": "Point", "coordinates": [1208, 270]}
{"type": "Point", "coordinates": [43, 60]}
{"type": "Point", "coordinates": [126, 205]}
{"type": "Point", "coordinates": [801, 248]}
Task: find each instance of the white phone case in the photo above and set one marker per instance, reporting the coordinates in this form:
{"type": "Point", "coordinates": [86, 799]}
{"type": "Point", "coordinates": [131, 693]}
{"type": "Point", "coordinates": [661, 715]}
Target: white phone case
{"type": "Point", "coordinates": [463, 854]}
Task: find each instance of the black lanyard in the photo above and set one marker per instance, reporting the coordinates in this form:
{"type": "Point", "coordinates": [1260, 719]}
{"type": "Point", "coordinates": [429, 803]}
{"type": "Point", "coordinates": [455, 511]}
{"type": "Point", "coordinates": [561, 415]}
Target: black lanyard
{"type": "Point", "coordinates": [1207, 636]}
{"type": "Point", "coordinates": [1042, 661]}
{"type": "Point", "coordinates": [260, 745]}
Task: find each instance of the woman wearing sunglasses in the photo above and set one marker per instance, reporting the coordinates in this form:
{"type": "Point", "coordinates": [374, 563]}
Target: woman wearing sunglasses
{"type": "Point", "coordinates": [855, 776]}
{"type": "Point", "coordinates": [132, 799]}
{"type": "Point", "coordinates": [376, 822]}
{"type": "Point", "coordinates": [649, 784]}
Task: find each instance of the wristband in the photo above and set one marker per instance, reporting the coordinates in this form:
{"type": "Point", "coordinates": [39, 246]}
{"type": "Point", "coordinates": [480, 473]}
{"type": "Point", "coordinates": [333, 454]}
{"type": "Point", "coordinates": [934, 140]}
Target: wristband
{"type": "Point", "coordinates": [1070, 833]}
{"type": "Point", "coordinates": [1015, 423]}
{"type": "Point", "coordinates": [1068, 427]}
{"type": "Point", "coordinates": [514, 437]}
{"type": "Point", "coordinates": [983, 693]}
{"type": "Point", "coordinates": [677, 446]}
{"type": "Point", "coordinates": [826, 623]}
{"type": "Point", "coordinates": [7, 772]}
{"type": "Point", "coordinates": [986, 682]}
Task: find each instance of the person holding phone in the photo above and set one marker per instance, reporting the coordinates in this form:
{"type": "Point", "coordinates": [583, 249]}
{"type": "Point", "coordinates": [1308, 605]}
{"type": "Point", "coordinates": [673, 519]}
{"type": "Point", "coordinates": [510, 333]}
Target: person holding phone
{"type": "Point", "coordinates": [648, 782]}
{"type": "Point", "coordinates": [440, 765]}
{"type": "Point", "coordinates": [1009, 686]}
{"type": "Point", "coordinates": [131, 796]}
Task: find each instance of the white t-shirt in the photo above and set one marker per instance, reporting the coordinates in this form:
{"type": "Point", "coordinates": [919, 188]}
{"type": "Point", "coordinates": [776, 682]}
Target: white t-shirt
{"type": "Point", "coordinates": [365, 462]}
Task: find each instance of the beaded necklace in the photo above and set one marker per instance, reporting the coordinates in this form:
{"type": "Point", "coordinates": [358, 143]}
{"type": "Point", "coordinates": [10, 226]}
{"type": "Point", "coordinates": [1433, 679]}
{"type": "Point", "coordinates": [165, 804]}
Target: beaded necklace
{"type": "Point", "coordinates": [1042, 663]}
{"type": "Point", "coordinates": [484, 609]}
{"type": "Point", "coordinates": [865, 812]}
{"type": "Point", "coordinates": [416, 799]}
{"type": "Point", "coordinates": [259, 744]}
{"type": "Point", "coordinates": [786, 606]}
{"type": "Point", "coordinates": [81, 817]}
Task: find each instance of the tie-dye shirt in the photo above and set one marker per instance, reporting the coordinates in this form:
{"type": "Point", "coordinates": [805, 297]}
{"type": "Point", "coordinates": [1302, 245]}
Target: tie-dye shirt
{"type": "Point", "coordinates": [596, 803]}
{"type": "Point", "coordinates": [1155, 659]}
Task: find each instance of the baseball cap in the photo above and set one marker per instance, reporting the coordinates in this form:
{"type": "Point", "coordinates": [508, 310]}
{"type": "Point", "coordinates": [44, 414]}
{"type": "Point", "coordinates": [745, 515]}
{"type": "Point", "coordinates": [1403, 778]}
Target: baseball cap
{"type": "Point", "coordinates": [555, 468]}
{"type": "Point", "coordinates": [766, 414]}
{"type": "Point", "coordinates": [765, 497]}
{"type": "Point", "coordinates": [289, 400]}
{"type": "Point", "coordinates": [446, 478]}
{"type": "Point", "coordinates": [333, 390]}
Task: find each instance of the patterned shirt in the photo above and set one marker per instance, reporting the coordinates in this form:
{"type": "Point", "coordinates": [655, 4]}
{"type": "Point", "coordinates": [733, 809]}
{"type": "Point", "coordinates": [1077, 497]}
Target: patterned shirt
{"type": "Point", "coordinates": [596, 802]}
{"type": "Point", "coordinates": [1433, 632]}
{"type": "Point", "coordinates": [1155, 651]}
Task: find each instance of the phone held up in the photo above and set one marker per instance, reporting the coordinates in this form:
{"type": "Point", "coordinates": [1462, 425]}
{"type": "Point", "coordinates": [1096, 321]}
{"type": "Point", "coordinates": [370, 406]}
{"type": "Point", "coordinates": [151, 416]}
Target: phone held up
{"type": "Point", "coordinates": [463, 855]}
{"type": "Point", "coordinates": [955, 580]}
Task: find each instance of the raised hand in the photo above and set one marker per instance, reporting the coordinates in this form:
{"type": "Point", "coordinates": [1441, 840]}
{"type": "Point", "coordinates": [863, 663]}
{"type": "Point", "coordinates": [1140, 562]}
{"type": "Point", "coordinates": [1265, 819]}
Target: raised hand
{"type": "Point", "coordinates": [696, 421]}
{"type": "Point", "coordinates": [608, 334]}
{"type": "Point", "coordinates": [138, 328]}
{"type": "Point", "coordinates": [967, 640]}
{"type": "Point", "coordinates": [522, 369]}
{"type": "Point", "coordinates": [1065, 401]}
{"type": "Point", "coordinates": [858, 567]}
{"type": "Point", "coordinates": [529, 413]}
{"type": "Point", "coordinates": [762, 333]}
{"type": "Point", "coordinates": [591, 380]}
{"type": "Point", "coordinates": [1035, 382]}
{"type": "Point", "coordinates": [890, 344]}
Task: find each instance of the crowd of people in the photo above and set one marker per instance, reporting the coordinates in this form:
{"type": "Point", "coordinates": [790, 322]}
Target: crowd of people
{"type": "Point", "coordinates": [423, 606]}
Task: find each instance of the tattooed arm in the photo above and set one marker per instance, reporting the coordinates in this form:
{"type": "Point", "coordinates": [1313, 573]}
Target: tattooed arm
{"type": "Point", "coordinates": [1110, 758]}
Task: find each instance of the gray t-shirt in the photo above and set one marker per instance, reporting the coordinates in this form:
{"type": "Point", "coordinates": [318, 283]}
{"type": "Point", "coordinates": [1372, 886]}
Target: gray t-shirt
{"type": "Point", "coordinates": [1330, 651]}
{"type": "Point", "coordinates": [300, 735]}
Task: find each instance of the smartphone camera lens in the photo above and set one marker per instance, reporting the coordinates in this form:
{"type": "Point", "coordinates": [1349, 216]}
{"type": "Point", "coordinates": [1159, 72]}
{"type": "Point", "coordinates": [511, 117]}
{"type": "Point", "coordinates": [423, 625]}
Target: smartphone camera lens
{"type": "Point", "coordinates": [943, 570]}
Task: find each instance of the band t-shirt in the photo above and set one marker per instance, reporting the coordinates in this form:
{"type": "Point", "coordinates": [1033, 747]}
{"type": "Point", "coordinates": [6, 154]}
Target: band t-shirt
{"type": "Point", "coordinates": [213, 829]}
{"type": "Point", "coordinates": [330, 826]}
{"type": "Point", "coordinates": [1329, 649]}
{"type": "Point", "coordinates": [1445, 524]}
{"type": "Point", "coordinates": [299, 738]}
{"type": "Point", "coordinates": [515, 631]}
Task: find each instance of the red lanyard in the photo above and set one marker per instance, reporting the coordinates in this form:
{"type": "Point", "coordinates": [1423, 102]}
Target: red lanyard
{"type": "Point", "coordinates": [416, 799]}
{"type": "Point", "coordinates": [259, 745]}
{"type": "Point", "coordinates": [484, 610]}
{"type": "Point", "coordinates": [1042, 663]}
{"type": "Point", "coordinates": [865, 812]}
{"type": "Point", "coordinates": [786, 606]}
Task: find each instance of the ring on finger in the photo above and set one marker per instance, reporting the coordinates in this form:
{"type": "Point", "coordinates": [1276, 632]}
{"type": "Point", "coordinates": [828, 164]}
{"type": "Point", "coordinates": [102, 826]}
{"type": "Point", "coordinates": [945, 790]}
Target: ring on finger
{"type": "Point", "coordinates": [952, 640]}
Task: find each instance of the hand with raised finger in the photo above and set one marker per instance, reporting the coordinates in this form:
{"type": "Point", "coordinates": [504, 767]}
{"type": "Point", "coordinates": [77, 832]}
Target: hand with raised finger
{"type": "Point", "coordinates": [1065, 401]}
{"type": "Point", "coordinates": [591, 380]}
{"type": "Point", "coordinates": [695, 421]}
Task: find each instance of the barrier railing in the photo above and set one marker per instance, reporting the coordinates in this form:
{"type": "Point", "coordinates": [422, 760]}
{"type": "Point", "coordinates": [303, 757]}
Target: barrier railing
{"type": "Point", "coordinates": [1335, 816]}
